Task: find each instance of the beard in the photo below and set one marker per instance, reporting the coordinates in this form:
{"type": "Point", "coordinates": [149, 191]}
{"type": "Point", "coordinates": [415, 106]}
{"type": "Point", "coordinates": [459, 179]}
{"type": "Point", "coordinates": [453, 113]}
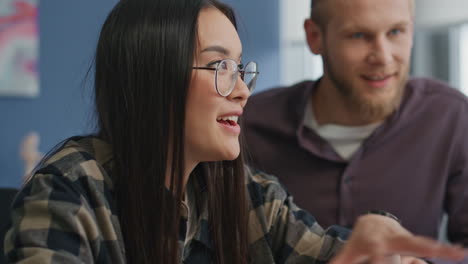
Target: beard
{"type": "Point", "coordinates": [368, 109]}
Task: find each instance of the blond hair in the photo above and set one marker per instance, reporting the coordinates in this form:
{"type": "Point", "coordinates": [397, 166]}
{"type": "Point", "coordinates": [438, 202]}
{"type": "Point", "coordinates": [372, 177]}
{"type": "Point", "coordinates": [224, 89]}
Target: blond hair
{"type": "Point", "coordinates": [320, 13]}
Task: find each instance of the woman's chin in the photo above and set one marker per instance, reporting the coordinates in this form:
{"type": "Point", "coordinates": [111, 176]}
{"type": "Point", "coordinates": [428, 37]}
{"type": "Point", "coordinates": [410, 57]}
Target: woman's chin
{"type": "Point", "coordinates": [230, 154]}
{"type": "Point", "coordinates": [221, 154]}
{"type": "Point", "coordinates": [234, 154]}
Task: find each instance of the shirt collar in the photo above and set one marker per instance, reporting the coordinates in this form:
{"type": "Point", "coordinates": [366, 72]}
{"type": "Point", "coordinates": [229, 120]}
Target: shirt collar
{"type": "Point", "coordinates": [311, 141]}
{"type": "Point", "coordinates": [306, 137]}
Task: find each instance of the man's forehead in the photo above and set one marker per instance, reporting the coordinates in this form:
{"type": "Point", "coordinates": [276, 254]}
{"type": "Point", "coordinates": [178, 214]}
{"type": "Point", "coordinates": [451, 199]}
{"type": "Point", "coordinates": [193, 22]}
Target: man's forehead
{"type": "Point", "coordinates": [368, 11]}
{"type": "Point", "coordinates": [359, 3]}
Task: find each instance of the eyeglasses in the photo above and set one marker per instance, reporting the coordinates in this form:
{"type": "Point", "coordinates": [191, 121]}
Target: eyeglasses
{"type": "Point", "coordinates": [226, 73]}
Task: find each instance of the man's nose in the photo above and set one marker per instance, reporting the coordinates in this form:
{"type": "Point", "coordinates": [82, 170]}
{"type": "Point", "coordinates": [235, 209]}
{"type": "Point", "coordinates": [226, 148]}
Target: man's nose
{"type": "Point", "coordinates": [381, 51]}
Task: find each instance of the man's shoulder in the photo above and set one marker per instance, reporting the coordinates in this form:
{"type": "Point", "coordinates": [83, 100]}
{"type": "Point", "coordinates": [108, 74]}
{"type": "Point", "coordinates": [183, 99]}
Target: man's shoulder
{"type": "Point", "coordinates": [280, 104]}
{"type": "Point", "coordinates": [439, 90]}
{"type": "Point", "coordinates": [280, 94]}
{"type": "Point", "coordinates": [432, 102]}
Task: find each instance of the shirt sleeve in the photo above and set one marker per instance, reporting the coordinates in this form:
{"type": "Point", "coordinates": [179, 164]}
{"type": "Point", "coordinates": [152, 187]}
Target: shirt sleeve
{"type": "Point", "coordinates": [456, 196]}
{"type": "Point", "coordinates": [457, 207]}
{"type": "Point", "coordinates": [50, 223]}
{"type": "Point", "coordinates": [456, 200]}
{"type": "Point", "coordinates": [293, 234]}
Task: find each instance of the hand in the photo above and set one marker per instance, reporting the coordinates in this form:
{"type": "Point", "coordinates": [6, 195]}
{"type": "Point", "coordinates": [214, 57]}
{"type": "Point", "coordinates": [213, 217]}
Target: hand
{"type": "Point", "coordinates": [376, 237]}
{"type": "Point", "coordinates": [412, 260]}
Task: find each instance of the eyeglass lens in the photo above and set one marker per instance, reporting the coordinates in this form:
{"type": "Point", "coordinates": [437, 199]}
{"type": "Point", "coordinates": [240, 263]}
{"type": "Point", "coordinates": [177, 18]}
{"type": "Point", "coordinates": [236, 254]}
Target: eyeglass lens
{"type": "Point", "coordinates": [226, 75]}
{"type": "Point", "coordinates": [227, 72]}
{"type": "Point", "coordinates": [249, 75]}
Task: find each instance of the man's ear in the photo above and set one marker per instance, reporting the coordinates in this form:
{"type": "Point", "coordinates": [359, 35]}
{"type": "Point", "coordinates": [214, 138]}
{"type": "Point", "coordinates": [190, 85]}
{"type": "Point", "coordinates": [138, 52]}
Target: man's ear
{"type": "Point", "coordinates": [314, 36]}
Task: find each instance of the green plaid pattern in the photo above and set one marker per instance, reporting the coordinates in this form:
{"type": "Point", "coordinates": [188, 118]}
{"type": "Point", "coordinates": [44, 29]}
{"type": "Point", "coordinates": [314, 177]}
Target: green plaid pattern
{"type": "Point", "coordinates": [66, 214]}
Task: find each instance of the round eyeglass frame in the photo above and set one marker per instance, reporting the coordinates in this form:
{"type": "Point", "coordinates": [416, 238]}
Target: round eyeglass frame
{"type": "Point", "coordinates": [239, 69]}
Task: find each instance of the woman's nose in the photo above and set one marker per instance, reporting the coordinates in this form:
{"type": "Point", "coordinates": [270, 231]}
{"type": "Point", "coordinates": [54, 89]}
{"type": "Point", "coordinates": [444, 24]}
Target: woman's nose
{"type": "Point", "coordinates": [241, 92]}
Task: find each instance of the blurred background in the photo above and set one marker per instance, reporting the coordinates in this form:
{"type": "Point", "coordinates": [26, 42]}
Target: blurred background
{"type": "Point", "coordinates": [59, 105]}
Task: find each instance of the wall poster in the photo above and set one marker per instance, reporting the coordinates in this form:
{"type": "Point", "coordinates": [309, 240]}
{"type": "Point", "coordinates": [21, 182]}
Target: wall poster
{"type": "Point", "coordinates": [19, 41]}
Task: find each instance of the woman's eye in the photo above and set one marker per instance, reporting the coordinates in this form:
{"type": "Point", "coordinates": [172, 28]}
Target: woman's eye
{"type": "Point", "coordinates": [223, 65]}
{"type": "Point", "coordinates": [214, 64]}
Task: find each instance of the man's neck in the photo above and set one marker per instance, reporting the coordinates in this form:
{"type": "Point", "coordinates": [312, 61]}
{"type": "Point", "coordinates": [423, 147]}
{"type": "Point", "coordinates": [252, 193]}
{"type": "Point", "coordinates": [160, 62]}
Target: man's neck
{"type": "Point", "coordinates": [330, 107]}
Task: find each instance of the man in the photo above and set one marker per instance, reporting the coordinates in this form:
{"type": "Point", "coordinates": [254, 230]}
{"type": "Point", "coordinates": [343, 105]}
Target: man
{"type": "Point", "coordinates": [365, 136]}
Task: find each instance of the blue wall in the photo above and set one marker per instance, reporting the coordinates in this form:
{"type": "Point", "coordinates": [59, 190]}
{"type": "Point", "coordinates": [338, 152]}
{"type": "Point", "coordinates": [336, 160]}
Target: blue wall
{"type": "Point", "coordinates": [258, 26]}
{"type": "Point", "coordinates": [68, 33]}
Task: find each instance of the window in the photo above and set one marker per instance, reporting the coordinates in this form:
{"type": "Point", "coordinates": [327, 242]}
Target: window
{"type": "Point", "coordinates": [463, 70]}
{"type": "Point", "coordinates": [297, 61]}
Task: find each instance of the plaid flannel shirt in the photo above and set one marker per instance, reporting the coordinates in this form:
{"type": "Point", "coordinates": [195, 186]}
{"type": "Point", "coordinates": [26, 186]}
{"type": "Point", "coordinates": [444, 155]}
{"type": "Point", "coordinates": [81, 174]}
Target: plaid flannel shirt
{"type": "Point", "coordinates": [66, 214]}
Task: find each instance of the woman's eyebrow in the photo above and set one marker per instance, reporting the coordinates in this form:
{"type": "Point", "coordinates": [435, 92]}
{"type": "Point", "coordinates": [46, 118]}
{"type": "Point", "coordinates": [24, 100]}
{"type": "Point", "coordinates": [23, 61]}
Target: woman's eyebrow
{"type": "Point", "coordinates": [218, 49]}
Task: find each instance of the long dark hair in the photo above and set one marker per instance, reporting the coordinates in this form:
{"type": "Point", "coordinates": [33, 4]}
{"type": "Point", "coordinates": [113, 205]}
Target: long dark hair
{"type": "Point", "coordinates": [142, 72]}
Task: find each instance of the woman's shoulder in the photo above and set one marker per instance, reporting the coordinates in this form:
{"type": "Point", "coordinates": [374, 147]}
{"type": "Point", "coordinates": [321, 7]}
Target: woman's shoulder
{"type": "Point", "coordinates": [67, 206]}
{"type": "Point", "coordinates": [261, 178]}
{"type": "Point", "coordinates": [77, 168]}
{"type": "Point", "coordinates": [78, 159]}
{"type": "Point", "coordinates": [264, 188]}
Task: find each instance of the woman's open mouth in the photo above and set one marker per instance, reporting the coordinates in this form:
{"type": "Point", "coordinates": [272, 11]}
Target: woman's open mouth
{"type": "Point", "coordinates": [230, 123]}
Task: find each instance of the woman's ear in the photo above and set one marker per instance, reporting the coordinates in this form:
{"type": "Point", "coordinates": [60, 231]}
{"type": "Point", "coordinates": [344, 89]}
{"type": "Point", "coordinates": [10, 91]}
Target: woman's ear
{"type": "Point", "coordinates": [314, 36]}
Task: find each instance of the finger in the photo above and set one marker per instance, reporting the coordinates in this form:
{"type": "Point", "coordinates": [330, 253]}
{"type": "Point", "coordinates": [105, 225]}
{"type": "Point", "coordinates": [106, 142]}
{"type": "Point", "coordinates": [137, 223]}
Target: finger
{"type": "Point", "coordinates": [346, 259]}
{"type": "Point", "coordinates": [424, 247]}
{"type": "Point", "coordinates": [352, 255]}
{"type": "Point", "coordinates": [380, 259]}
{"type": "Point", "coordinates": [412, 260]}
{"type": "Point", "coordinates": [394, 259]}
{"type": "Point", "coordinates": [349, 258]}
{"type": "Point", "coordinates": [418, 261]}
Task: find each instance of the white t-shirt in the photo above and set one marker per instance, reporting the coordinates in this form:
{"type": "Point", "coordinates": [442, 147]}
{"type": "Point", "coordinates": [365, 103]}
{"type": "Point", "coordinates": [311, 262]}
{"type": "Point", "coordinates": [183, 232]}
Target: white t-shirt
{"type": "Point", "coordinates": [345, 140]}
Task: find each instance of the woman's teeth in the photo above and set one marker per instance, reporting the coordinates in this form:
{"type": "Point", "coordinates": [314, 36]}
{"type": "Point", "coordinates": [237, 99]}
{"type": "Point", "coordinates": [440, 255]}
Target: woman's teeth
{"type": "Point", "coordinates": [228, 118]}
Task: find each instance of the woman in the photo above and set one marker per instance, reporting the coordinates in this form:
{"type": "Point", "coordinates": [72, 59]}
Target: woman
{"type": "Point", "coordinates": [163, 179]}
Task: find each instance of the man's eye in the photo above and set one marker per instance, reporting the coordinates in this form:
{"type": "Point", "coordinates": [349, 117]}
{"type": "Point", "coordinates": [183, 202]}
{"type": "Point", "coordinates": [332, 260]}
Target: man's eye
{"type": "Point", "coordinates": [395, 31]}
{"type": "Point", "coordinates": [357, 35]}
